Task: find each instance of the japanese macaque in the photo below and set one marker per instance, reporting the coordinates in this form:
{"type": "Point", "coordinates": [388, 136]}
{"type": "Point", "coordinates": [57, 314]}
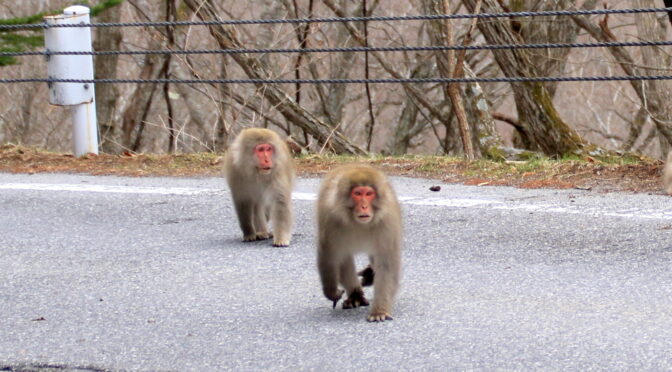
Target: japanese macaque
{"type": "Point", "coordinates": [260, 173]}
{"type": "Point", "coordinates": [667, 174]}
{"type": "Point", "coordinates": [358, 212]}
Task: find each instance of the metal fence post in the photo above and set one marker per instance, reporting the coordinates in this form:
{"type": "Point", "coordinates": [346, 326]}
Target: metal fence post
{"type": "Point", "coordinates": [80, 96]}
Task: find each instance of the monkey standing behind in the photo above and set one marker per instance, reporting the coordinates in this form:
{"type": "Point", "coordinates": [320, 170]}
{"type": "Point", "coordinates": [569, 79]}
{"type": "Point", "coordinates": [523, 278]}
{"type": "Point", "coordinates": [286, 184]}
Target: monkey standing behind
{"type": "Point", "coordinates": [260, 173]}
{"type": "Point", "coordinates": [358, 211]}
{"type": "Point", "coordinates": [667, 174]}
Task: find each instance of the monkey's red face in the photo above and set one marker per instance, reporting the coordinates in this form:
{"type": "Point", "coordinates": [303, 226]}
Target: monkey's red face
{"type": "Point", "coordinates": [264, 156]}
{"type": "Point", "coordinates": [363, 196]}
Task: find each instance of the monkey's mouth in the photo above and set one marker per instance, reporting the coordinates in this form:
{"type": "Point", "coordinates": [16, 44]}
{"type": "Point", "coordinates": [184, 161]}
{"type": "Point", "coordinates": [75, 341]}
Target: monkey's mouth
{"type": "Point", "coordinates": [364, 218]}
{"type": "Point", "coordinates": [265, 170]}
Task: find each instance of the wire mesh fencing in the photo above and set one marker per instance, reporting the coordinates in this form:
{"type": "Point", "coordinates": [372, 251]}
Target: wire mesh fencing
{"type": "Point", "coordinates": [363, 49]}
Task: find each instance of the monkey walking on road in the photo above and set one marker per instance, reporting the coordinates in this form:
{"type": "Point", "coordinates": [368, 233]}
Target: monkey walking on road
{"type": "Point", "coordinates": [358, 212]}
{"type": "Point", "coordinates": [260, 172]}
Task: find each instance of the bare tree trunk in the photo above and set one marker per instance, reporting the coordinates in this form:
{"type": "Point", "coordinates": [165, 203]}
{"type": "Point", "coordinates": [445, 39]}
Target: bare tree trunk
{"type": "Point", "coordinates": [652, 27]}
{"type": "Point", "coordinates": [653, 95]}
{"type": "Point", "coordinates": [302, 38]}
{"type": "Point", "coordinates": [448, 68]}
{"type": "Point", "coordinates": [477, 121]}
{"type": "Point", "coordinates": [135, 115]}
{"type": "Point", "coordinates": [552, 29]}
{"type": "Point", "coordinates": [488, 139]}
{"type": "Point", "coordinates": [547, 131]}
{"type": "Point", "coordinates": [196, 116]}
{"type": "Point", "coordinates": [334, 97]}
{"type": "Point", "coordinates": [133, 119]}
{"type": "Point", "coordinates": [172, 137]}
{"type": "Point", "coordinates": [293, 113]}
{"type": "Point", "coordinates": [213, 138]}
{"type": "Point", "coordinates": [171, 15]}
{"type": "Point", "coordinates": [635, 129]}
{"type": "Point", "coordinates": [107, 95]}
{"type": "Point", "coordinates": [372, 116]}
{"type": "Point", "coordinates": [139, 104]}
{"type": "Point", "coordinates": [413, 91]}
{"type": "Point", "coordinates": [26, 115]}
{"type": "Point", "coordinates": [222, 130]}
{"type": "Point", "coordinates": [254, 105]}
{"type": "Point", "coordinates": [409, 126]}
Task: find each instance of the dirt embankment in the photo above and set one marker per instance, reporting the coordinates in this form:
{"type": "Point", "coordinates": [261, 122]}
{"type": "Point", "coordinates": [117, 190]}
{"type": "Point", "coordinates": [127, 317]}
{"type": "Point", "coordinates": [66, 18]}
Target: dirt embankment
{"type": "Point", "coordinates": [643, 176]}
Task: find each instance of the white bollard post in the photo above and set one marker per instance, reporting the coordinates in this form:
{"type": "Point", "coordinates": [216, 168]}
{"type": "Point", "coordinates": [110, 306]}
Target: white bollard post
{"type": "Point", "coordinates": [78, 95]}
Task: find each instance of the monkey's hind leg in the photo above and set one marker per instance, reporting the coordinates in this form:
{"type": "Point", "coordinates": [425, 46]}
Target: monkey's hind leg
{"type": "Point", "coordinates": [260, 218]}
{"type": "Point", "coordinates": [348, 278]}
{"type": "Point", "coordinates": [282, 221]}
{"type": "Point", "coordinates": [328, 268]}
{"type": "Point", "coordinates": [245, 212]}
{"type": "Point", "coordinates": [388, 270]}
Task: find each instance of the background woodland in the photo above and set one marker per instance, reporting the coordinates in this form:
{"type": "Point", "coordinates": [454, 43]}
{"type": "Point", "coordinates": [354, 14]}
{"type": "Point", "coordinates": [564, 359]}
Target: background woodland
{"type": "Point", "coordinates": [494, 120]}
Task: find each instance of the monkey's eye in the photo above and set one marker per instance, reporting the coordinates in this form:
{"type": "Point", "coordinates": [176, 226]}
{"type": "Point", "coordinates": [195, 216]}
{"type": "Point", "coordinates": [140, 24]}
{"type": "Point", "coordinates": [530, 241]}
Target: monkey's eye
{"type": "Point", "coordinates": [263, 148]}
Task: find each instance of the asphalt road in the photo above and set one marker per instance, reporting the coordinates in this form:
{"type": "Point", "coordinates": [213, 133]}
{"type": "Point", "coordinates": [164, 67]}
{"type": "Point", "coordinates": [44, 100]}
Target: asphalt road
{"type": "Point", "coordinates": [149, 274]}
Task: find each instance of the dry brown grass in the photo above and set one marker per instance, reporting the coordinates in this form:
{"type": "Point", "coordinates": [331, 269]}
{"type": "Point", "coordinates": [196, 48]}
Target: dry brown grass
{"type": "Point", "coordinates": [604, 175]}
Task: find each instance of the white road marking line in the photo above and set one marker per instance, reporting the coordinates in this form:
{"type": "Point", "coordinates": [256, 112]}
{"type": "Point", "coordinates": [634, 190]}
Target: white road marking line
{"type": "Point", "coordinates": [662, 214]}
{"type": "Point", "coordinates": [104, 188]}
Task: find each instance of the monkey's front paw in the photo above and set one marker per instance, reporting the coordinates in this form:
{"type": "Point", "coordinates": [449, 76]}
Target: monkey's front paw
{"type": "Point", "coordinates": [378, 316]}
{"type": "Point", "coordinates": [278, 242]}
{"type": "Point", "coordinates": [264, 235]}
{"type": "Point", "coordinates": [356, 299]}
{"type": "Point", "coordinates": [250, 238]}
{"type": "Point", "coordinates": [334, 295]}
